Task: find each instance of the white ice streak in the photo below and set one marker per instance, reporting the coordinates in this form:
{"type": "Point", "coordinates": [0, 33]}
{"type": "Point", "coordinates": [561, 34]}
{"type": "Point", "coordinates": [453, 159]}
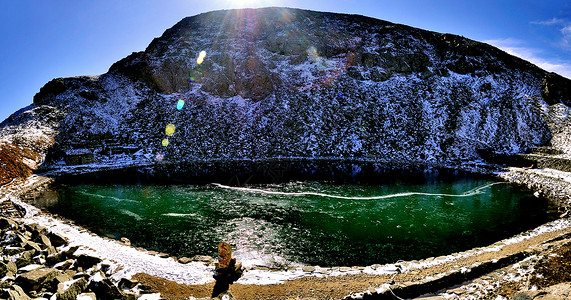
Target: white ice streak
{"type": "Point", "coordinates": [190, 216]}
{"type": "Point", "coordinates": [131, 214]}
{"type": "Point", "coordinates": [470, 193]}
{"type": "Point", "coordinates": [106, 197]}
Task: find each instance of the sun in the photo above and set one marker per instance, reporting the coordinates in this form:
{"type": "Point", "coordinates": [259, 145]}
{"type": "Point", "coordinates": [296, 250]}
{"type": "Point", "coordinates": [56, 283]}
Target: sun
{"type": "Point", "coordinates": [252, 3]}
{"type": "Point", "coordinates": [245, 2]}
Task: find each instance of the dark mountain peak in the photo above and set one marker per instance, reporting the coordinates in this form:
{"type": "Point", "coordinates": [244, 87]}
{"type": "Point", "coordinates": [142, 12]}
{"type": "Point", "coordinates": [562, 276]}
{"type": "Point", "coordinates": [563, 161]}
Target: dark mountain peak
{"type": "Point", "coordinates": [254, 41]}
{"type": "Point", "coordinates": [297, 83]}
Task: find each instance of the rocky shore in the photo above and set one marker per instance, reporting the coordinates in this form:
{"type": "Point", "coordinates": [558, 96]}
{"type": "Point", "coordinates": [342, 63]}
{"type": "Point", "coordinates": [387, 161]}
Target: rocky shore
{"type": "Point", "coordinates": [550, 183]}
{"type": "Point", "coordinates": [38, 264]}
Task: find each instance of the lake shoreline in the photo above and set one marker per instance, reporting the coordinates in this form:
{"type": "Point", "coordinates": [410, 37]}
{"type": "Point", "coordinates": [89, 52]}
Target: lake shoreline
{"type": "Point", "coordinates": [18, 189]}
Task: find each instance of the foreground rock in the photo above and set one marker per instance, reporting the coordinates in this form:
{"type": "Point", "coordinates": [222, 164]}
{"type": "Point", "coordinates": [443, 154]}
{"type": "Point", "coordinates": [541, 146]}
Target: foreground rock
{"type": "Point", "coordinates": [32, 267]}
{"type": "Point", "coordinates": [560, 291]}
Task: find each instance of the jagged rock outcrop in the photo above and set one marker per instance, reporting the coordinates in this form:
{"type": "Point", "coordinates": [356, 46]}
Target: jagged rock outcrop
{"type": "Point", "coordinates": [279, 82]}
{"type": "Point", "coordinates": [54, 273]}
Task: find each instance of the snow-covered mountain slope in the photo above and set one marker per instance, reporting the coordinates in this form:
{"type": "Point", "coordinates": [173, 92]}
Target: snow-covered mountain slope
{"type": "Point", "coordinates": [279, 82]}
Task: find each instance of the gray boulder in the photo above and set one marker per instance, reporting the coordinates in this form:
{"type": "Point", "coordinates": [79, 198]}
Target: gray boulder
{"type": "Point", "coordinates": [103, 287]}
{"type": "Point", "coordinates": [12, 268]}
{"type": "Point", "coordinates": [85, 261]}
{"type": "Point", "coordinates": [184, 260]}
{"type": "Point", "coordinates": [11, 250]}
{"type": "Point", "coordinates": [55, 258]}
{"type": "Point", "coordinates": [64, 265]}
{"type": "Point", "coordinates": [69, 290]}
{"type": "Point", "coordinates": [208, 260]}
{"type": "Point", "coordinates": [127, 284]}
{"type": "Point", "coordinates": [59, 279]}
{"type": "Point", "coordinates": [38, 279]}
{"type": "Point", "coordinates": [36, 230]}
{"type": "Point", "coordinates": [561, 291]}
{"type": "Point", "coordinates": [16, 293]}
{"type": "Point", "coordinates": [29, 245]}
{"type": "Point", "coordinates": [128, 295]}
{"type": "Point", "coordinates": [42, 239]}
{"type": "Point", "coordinates": [3, 269]}
{"type": "Point", "coordinates": [57, 239]}
{"type": "Point", "coordinates": [6, 223]}
{"type": "Point", "coordinates": [25, 258]}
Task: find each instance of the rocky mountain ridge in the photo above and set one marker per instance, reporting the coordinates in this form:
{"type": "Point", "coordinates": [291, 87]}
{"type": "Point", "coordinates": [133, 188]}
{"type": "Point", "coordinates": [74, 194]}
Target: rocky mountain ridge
{"type": "Point", "coordinates": [290, 83]}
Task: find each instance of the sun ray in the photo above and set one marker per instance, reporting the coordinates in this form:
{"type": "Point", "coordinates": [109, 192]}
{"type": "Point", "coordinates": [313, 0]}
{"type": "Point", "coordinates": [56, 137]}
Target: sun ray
{"type": "Point", "coordinates": [252, 3]}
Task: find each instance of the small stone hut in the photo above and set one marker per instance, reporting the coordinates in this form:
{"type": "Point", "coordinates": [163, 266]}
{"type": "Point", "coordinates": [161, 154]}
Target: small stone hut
{"type": "Point", "coordinates": [78, 157]}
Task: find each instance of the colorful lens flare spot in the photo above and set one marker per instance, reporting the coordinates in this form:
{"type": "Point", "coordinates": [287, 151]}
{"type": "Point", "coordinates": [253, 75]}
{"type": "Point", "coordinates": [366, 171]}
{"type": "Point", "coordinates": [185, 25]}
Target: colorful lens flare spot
{"type": "Point", "coordinates": [191, 79]}
{"type": "Point", "coordinates": [201, 57]}
{"type": "Point", "coordinates": [180, 104]}
{"type": "Point", "coordinates": [165, 142]}
{"type": "Point", "coordinates": [170, 129]}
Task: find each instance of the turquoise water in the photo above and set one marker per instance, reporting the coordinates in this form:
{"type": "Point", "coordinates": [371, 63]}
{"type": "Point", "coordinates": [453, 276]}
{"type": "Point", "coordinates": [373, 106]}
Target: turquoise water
{"type": "Point", "coordinates": [313, 223]}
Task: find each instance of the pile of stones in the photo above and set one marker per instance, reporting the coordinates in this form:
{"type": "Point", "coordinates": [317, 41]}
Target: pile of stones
{"type": "Point", "coordinates": [37, 264]}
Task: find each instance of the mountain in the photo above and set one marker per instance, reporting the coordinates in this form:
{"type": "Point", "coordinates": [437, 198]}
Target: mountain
{"type": "Point", "coordinates": [290, 83]}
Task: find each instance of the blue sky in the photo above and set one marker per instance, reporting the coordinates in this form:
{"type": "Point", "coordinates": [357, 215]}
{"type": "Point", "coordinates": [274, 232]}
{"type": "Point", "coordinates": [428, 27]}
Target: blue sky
{"type": "Point", "coordinates": [41, 40]}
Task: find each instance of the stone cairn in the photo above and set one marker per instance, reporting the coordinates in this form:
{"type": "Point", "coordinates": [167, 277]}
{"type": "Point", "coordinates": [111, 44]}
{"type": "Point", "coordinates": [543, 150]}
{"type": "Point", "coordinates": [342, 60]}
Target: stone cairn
{"type": "Point", "coordinates": [228, 270]}
{"type": "Point", "coordinates": [37, 264]}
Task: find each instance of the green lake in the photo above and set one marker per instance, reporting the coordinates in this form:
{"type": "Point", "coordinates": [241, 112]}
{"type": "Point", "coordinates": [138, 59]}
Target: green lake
{"type": "Point", "coordinates": [309, 223]}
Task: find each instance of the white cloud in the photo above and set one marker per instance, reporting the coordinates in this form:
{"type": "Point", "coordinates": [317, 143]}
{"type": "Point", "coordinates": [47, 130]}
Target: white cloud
{"type": "Point", "coordinates": [516, 47]}
{"type": "Point", "coordinates": [566, 40]}
{"type": "Point", "coordinates": [549, 22]}
{"type": "Point", "coordinates": [565, 29]}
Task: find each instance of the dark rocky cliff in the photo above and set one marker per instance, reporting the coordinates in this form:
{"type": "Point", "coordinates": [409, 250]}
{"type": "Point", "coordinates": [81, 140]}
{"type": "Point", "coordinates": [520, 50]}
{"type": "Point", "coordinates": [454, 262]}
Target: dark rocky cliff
{"type": "Point", "coordinates": [281, 82]}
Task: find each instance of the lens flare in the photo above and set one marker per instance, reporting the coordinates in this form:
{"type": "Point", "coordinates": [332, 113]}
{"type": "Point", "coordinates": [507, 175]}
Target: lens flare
{"type": "Point", "coordinates": [312, 53]}
{"type": "Point", "coordinates": [180, 104]}
{"type": "Point", "coordinates": [170, 129]}
{"type": "Point", "coordinates": [165, 142]}
{"type": "Point", "coordinates": [191, 79]}
{"type": "Point", "coordinates": [201, 57]}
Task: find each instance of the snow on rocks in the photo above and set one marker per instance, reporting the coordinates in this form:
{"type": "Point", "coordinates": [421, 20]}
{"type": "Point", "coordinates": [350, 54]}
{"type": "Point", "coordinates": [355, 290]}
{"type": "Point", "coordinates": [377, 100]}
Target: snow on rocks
{"type": "Point", "coordinates": [131, 260]}
{"type": "Point", "coordinates": [28, 273]}
{"type": "Point", "coordinates": [551, 183]}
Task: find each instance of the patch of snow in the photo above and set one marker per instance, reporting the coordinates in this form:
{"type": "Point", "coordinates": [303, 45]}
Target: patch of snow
{"type": "Point", "coordinates": [83, 297]}
{"type": "Point", "coordinates": [155, 296]}
{"type": "Point", "coordinates": [266, 277]}
{"type": "Point", "coordinates": [98, 277]}
{"type": "Point", "coordinates": [549, 227]}
{"type": "Point", "coordinates": [30, 268]}
{"type": "Point", "coordinates": [67, 284]}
